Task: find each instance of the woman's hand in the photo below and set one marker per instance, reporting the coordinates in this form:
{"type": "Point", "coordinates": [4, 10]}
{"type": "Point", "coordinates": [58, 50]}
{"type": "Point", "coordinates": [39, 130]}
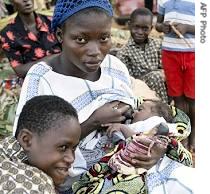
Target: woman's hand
{"type": "Point", "coordinates": [140, 160]}
{"type": "Point", "coordinates": [112, 112]}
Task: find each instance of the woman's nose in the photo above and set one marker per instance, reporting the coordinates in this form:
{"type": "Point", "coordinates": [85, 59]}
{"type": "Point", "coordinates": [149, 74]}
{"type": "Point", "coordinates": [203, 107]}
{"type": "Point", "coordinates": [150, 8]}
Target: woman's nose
{"type": "Point", "coordinates": [94, 49]}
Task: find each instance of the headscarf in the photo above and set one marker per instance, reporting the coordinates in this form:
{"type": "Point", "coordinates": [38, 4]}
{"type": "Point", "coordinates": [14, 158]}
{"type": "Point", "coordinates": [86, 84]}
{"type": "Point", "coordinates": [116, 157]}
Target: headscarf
{"type": "Point", "coordinates": [66, 8]}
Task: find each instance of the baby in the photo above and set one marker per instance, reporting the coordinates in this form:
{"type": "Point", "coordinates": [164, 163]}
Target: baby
{"type": "Point", "coordinates": [150, 122]}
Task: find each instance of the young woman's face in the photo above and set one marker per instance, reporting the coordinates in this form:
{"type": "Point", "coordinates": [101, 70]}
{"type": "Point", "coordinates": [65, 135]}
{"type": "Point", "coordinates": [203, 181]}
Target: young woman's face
{"type": "Point", "coordinates": [140, 28]}
{"type": "Point", "coordinates": [86, 41]}
{"type": "Point", "coordinates": [24, 6]}
{"type": "Point", "coordinates": [53, 152]}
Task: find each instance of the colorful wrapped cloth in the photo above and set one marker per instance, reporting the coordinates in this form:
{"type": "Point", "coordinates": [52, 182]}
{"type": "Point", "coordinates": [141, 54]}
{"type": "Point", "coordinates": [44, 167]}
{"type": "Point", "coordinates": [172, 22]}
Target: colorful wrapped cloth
{"type": "Point", "coordinates": [168, 176]}
{"type": "Point", "coordinates": [10, 87]}
{"type": "Point", "coordinates": [171, 173]}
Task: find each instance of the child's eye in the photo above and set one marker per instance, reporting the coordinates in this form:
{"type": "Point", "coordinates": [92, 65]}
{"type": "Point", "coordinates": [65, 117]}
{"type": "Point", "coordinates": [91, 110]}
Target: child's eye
{"type": "Point", "coordinates": [105, 39]}
{"type": "Point", "coordinates": [140, 108]}
{"type": "Point", "coordinates": [63, 148]}
{"type": "Point", "coordinates": [145, 28]}
{"type": "Point", "coordinates": [81, 40]}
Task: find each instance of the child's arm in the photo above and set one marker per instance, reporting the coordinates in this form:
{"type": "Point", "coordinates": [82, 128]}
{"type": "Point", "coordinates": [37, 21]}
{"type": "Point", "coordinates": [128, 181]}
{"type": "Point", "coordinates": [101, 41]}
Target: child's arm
{"type": "Point", "coordinates": [162, 26]}
{"type": "Point", "coordinates": [114, 127]}
{"type": "Point", "coordinates": [184, 28]}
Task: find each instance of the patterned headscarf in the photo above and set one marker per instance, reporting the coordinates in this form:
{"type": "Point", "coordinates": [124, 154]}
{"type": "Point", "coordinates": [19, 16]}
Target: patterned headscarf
{"type": "Point", "coordinates": [66, 8]}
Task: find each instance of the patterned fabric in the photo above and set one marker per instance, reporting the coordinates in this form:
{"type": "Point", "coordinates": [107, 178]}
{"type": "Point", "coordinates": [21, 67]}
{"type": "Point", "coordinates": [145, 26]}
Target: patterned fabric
{"type": "Point", "coordinates": [178, 11]}
{"type": "Point", "coordinates": [145, 64]}
{"type": "Point", "coordinates": [86, 96]}
{"type": "Point", "coordinates": [66, 8]}
{"type": "Point", "coordinates": [9, 95]}
{"type": "Point", "coordinates": [176, 150]}
{"type": "Point", "coordinates": [16, 176]}
{"type": "Point", "coordinates": [119, 161]}
{"type": "Point", "coordinates": [101, 179]}
{"type": "Point", "coordinates": [22, 46]}
{"type": "Point", "coordinates": [167, 175]}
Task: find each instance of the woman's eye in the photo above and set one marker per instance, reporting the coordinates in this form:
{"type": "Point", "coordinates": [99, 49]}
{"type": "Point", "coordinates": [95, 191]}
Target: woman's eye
{"type": "Point", "coordinates": [81, 40]}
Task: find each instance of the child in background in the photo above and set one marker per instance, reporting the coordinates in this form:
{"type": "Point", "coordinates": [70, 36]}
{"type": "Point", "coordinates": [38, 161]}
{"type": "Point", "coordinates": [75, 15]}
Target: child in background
{"type": "Point", "coordinates": [142, 54]}
{"type": "Point", "coordinates": [37, 159]}
{"type": "Point", "coordinates": [177, 20]}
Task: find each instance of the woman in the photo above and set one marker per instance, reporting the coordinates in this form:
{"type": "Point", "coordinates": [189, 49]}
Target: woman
{"type": "Point", "coordinates": [27, 38]}
{"type": "Point", "coordinates": [94, 82]}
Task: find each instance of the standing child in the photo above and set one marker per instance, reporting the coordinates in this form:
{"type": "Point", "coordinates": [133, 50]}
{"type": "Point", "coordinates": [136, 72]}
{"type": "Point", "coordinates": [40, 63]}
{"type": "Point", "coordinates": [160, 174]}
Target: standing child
{"type": "Point", "coordinates": [142, 54]}
{"type": "Point", "coordinates": [177, 20]}
{"type": "Point", "coordinates": [37, 159]}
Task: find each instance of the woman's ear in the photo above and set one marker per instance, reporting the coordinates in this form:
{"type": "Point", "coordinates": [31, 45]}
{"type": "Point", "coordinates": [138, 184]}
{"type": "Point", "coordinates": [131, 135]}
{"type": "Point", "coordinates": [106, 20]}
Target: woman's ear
{"type": "Point", "coordinates": [59, 35]}
{"type": "Point", "coordinates": [25, 139]}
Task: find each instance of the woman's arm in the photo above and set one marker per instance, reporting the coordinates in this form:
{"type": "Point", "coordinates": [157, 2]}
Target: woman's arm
{"type": "Point", "coordinates": [111, 112]}
{"type": "Point", "coordinates": [140, 160]}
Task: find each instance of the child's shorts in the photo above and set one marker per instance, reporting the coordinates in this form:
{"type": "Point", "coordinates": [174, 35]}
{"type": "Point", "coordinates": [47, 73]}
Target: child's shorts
{"type": "Point", "coordinates": [179, 69]}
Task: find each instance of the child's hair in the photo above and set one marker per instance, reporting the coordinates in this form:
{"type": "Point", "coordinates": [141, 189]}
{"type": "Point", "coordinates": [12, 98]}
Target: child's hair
{"type": "Point", "coordinates": [163, 110]}
{"type": "Point", "coordinates": [41, 113]}
{"type": "Point", "coordinates": [141, 11]}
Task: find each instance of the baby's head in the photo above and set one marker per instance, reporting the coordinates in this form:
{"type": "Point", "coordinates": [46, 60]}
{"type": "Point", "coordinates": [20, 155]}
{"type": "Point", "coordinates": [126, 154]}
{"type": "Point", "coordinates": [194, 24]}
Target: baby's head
{"type": "Point", "coordinates": [48, 130]}
{"type": "Point", "coordinates": [83, 27]}
{"type": "Point", "coordinates": [140, 24]}
{"type": "Point", "coordinates": [151, 108]}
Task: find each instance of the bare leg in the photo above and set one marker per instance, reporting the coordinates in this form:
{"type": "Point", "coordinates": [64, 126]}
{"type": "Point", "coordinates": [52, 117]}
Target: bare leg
{"type": "Point", "coordinates": [181, 103]}
{"type": "Point", "coordinates": [191, 103]}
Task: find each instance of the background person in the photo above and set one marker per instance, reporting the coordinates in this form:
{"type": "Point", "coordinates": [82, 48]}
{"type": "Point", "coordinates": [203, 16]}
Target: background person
{"type": "Point", "coordinates": [142, 54]}
{"type": "Point", "coordinates": [178, 54]}
{"type": "Point", "coordinates": [27, 38]}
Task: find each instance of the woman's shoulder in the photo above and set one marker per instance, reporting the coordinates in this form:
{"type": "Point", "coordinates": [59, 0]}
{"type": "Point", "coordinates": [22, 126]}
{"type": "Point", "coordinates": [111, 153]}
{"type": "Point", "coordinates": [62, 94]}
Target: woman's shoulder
{"type": "Point", "coordinates": [39, 69]}
{"type": "Point", "coordinates": [114, 62]}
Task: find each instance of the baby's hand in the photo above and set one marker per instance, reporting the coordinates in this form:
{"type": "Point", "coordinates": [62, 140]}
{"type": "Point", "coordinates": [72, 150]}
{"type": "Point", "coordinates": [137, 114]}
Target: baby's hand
{"type": "Point", "coordinates": [113, 127]}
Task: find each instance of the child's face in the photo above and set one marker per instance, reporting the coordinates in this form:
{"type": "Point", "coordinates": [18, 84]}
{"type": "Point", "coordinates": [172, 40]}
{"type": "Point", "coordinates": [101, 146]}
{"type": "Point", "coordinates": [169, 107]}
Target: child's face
{"type": "Point", "coordinates": [144, 112]}
{"type": "Point", "coordinates": [86, 41]}
{"type": "Point", "coordinates": [53, 152]}
{"type": "Point", "coordinates": [140, 28]}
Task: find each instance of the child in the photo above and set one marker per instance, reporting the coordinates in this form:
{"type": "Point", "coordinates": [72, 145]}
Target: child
{"type": "Point", "coordinates": [177, 20]}
{"type": "Point", "coordinates": [149, 114]}
{"type": "Point", "coordinates": [37, 159]}
{"type": "Point", "coordinates": [148, 122]}
{"type": "Point", "coordinates": [142, 54]}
